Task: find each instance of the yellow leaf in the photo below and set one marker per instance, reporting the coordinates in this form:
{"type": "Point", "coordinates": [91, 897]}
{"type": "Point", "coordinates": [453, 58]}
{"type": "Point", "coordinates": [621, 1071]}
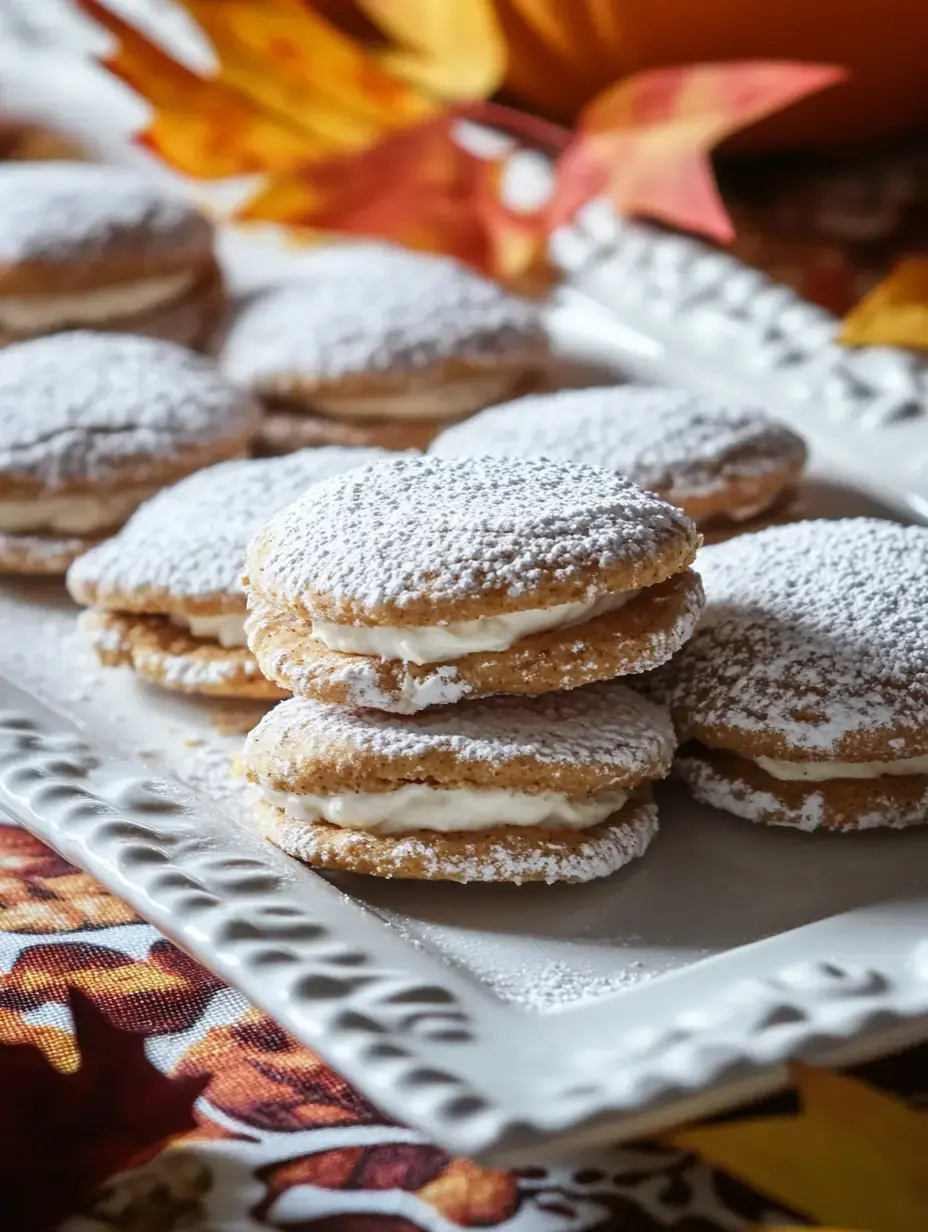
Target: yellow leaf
{"type": "Point", "coordinates": [895, 313]}
{"type": "Point", "coordinates": [201, 126]}
{"type": "Point", "coordinates": [453, 49]}
{"type": "Point", "coordinates": [854, 1156]}
{"type": "Point", "coordinates": [295, 65]}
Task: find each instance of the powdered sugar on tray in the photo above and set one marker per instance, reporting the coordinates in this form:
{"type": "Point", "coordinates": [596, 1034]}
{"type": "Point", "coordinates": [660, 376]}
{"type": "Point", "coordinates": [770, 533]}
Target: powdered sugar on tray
{"type": "Point", "coordinates": [394, 312]}
{"type": "Point", "coordinates": [86, 406]}
{"type": "Point", "coordinates": [602, 725]}
{"type": "Point", "coordinates": [190, 539]}
{"type": "Point", "coordinates": [815, 633]}
{"type": "Point", "coordinates": [659, 438]}
{"type": "Point", "coordinates": [59, 212]}
{"type": "Point", "coordinates": [447, 529]}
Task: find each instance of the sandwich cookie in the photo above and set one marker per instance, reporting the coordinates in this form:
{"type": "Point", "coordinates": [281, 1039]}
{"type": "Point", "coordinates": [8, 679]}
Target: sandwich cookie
{"type": "Point", "coordinates": [103, 248]}
{"type": "Point", "coordinates": [731, 469]}
{"type": "Point", "coordinates": [803, 697]}
{"type": "Point", "coordinates": [401, 336]}
{"type": "Point", "coordinates": [507, 789]}
{"type": "Point", "coordinates": [93, 424]}
{"type": "Point", "coordinates": [419, 581]}
{"type": "Point", "coordinates": [165, 593]}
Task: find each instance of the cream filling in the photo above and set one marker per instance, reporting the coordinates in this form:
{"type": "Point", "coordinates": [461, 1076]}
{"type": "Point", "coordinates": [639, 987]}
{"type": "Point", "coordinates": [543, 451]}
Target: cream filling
{"type": "Point", "coordinates": [228, 629]}
{"type": "Point", "coordinates": [71, 515]}
{"type": "Point", "coordinates": [418, 806]}
{"type": "Point", "coordinates": [438, 643]}
{"type": "Point", "coordinates": [824, 771]}
{"type": "Point", "coordinates": [27, 313]}
{"type": "Point", "coordinates": [443, 400]}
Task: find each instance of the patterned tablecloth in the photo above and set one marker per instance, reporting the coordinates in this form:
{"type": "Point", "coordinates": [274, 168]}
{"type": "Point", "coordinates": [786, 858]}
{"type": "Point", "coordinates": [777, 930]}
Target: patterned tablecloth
{"type": "Point", "coordinates": [282, 1142]}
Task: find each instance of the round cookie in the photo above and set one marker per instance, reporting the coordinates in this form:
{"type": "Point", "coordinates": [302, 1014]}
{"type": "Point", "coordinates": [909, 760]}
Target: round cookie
{"type": "Point", "coordinates": [93, 424]}
{"type": "Point", "coordinates": [165, 593]}
{"type": "Point", "coordinates": [803, 696]}
{"type": "Point", "coordinates": [505, 789]}
{"type": "Point", "coordinates": [722, 465]}
{"type": "Point", "coordinates": [419, 581]}
{"type": "Point", "coordinates": [104, 248]}
{"type": "Point", "coordinates": [400, 336]}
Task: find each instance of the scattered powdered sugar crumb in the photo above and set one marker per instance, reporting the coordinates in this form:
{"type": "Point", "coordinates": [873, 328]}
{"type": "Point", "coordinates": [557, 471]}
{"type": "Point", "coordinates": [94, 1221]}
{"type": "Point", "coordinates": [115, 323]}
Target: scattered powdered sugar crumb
{"type": "Point", "coordinates": [393, 311]}
{"type": "Point", "coordinates": [603, 724]}
{"type": "Point", "coordinates": [451, 528]}
{"type": "Point", "coordinates": [659, 438]}
{"type": "Point", "coordinates": [813, 631]}
{"type": "Point", "coordinates": [85, 405]}
{"type": "Point", "coordinates": [60, 212]}
{"type": "Point", "coordinates": [528, 979]}
{"type": "Point", "coordinates": [190, 539]}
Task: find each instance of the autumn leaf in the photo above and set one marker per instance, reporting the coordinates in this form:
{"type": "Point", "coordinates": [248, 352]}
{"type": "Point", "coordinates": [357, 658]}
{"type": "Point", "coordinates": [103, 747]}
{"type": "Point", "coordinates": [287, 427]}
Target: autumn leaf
{"type": "Point", "coordinates": [645, 142]}
{"type": "Point", "coordinates": [63, 1131]}
{"type": "Point", "coordinates": [895, 313]}
{"type": "Point", "coordinates": [289, 87]}
{"type": "Point", "coordinates": [854, 1156]}
{"type": "Point", "coordinates": [445, 200]}
{"type": "Point", "coordinates": [451, 49]}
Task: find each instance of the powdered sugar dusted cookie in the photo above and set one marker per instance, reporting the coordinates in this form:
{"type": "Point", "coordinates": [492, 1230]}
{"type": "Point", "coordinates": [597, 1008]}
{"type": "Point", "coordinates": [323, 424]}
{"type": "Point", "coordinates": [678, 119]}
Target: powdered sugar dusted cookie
{"type": "Point", "coordinates": [284, 431]}
{"type": "Point", "coordinates": [165, 593]}
{"type": "Point", "coordinates": [421, 581]}
{"type": "Point", "coordinates": [804, 693]}
{"type": "Point", "coordinates": [401, 335]}
{"type": "Point", "coordinates": [724, 465]}
{"type": "Point", "coordinates": [93, 424]}
{"type": "Point", "coordinates": [506, 789]}
{"type": "Point", "coordinates": [102, 247]}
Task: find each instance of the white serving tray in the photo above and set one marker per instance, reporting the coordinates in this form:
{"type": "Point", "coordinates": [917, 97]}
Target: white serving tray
{"type": "Point", "coordinates": [506, 1022]}
{"type": "Point", "coordinates": [513, 1023]}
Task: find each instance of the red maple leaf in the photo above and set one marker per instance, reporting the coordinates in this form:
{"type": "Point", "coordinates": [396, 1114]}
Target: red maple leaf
{"type": "Point", "coordinates": [645, 141]}
{"type": "Point", "coordinates": [63, 1134]}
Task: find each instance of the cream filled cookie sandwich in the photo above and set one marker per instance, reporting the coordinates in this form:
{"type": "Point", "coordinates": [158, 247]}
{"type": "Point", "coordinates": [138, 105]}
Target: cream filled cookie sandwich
{"type": "Point", "coordinates": [554, 788]}
{"type": "Point", "coordinates": [165, 594]}
{"type": "Point", "coordinates": [93, 424]}
{"type": "Point", "coordinates": [803, 697]}
{"type": "Point", "coordinates": [102, 248]}
{"type": "Point", "coordinates": [730, 468]}
{"type": "Point", "coordinates": [403, 337]}
{"type": "Point", "coordinates": [419, 581]}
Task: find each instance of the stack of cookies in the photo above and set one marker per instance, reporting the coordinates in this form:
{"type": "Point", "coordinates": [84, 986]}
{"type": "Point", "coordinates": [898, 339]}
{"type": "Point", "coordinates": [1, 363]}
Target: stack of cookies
{"type": "Point", "coordinates": [438, 622]}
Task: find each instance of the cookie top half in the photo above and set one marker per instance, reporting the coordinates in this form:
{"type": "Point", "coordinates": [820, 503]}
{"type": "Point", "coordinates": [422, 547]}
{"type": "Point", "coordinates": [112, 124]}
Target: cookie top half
{"type": "Point", "coordinates": [813, 645]}
{"type": "Point", "coordinates": [684, 446]}
{"type": "Point", "coordinates": [419, 540]}
{"type": "Point", "coordinates": [580, 742]}
{"type": "Point", "coordinates": [74, 226]}
{"type": "Point", "coordinates": [396, 312]}
{"type": "Point", "coordinates": [184, 550]}
{"type": "Point", "coordinates": [83, 409]}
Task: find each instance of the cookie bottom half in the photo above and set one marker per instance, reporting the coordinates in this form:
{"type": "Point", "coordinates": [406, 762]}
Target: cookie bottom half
{"type": "Point", "coordinates": [41, 555]}
{"type": "Point", "coordinates": [641, 635]}
{"type": "Point", "coordinates": [189, 320]}
{"type": "Point", "coordinates": [171, 657]}
{"type": "Point", "coordinates": [510, 854]}
{"type": "Point", "coordinates": [737, 785]}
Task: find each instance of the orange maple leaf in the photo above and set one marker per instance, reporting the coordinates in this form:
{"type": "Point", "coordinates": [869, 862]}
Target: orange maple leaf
{"type": "Point", "coordinates": [894, 313]}
{"type": "Point", "coordinates": [63, 1133]}
{"type": "Point", "coordinates": [645, 141]}
{"type": "Point", "coordinates": [288, 87]}
{"type": "Point", "coordinates": [853, 1157]}
{"type": "Point", "coordinates": [420, 188]}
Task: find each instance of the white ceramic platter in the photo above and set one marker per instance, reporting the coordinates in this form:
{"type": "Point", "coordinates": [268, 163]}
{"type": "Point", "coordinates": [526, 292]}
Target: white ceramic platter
{"type": "Point", "coordinates": [517, 1022]}
{"type": "Point", "coordinates": [503, 1022]}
